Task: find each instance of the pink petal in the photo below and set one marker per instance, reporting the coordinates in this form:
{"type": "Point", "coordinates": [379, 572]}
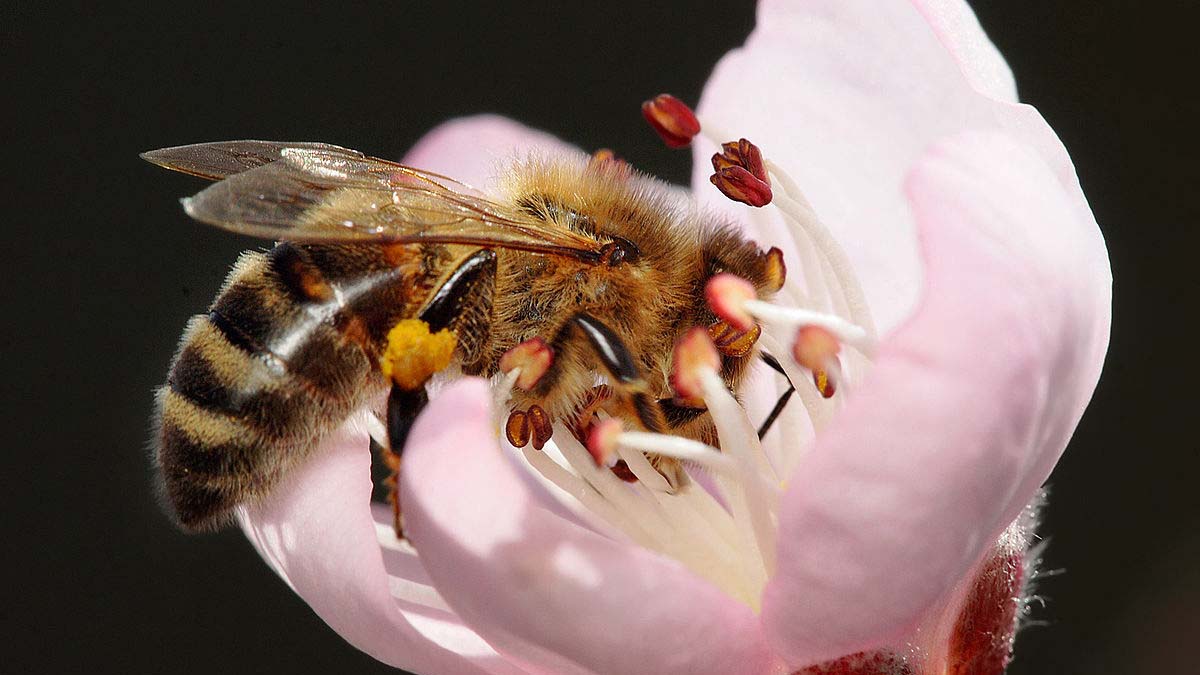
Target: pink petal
{"type": "Point", "coordinates": [542, 590]}
{"type": "Point", "coordinates": [969, 405]}
{"type": "Point", "coordinates": [316, 531]}
{"type": "Point", "coordinates": [845, 95]}
{"type": "Point", "coordinates": [961, 34]}
{"type": "Point", "coordinates": [475, 150]}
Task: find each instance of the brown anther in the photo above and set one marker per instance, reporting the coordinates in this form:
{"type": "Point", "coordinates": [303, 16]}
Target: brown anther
{"type": "Point", "coordinates": [776, 270]}
{"type": "Point", "coordinates": [741, 186]}
{"type": "Point", "coordinates": [533, 357]}
{"type": "Point", "coordinates": [516, 429]}
{"type": "Point", "coordinates": [674, 121]}
{"type": "Point", "coordinates": [733, 342]}
{"type": "Point", "coordinates": [741, 153]}
{"type": "Point", "coordinates": [621, 470]}
{"type": "Point", "coordinates": [540, 426]}
{"type": "Point", "coordinates": [602, 442]}
{"type": "Point", "coordinates": [726, 294]}
{"type": "Point", "coordinates": [694, 353]}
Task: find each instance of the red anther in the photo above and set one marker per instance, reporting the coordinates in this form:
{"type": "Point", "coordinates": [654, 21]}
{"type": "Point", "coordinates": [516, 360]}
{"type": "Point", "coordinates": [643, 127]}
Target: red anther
{"type": "Point", "coordinates": [694, 353]}
{"type": "Point", "coordinates": [540, 426]}
{"type": "Point", "coordinates": [742, 186]}
{"type": "Point", "coordinates": [516, 429]}
{"type": "Point", "coordinates": [814, 347]}
{"type": "Point", "coordinates": [776, 269]}
{"type": "Point", "coordinates": [741, 153]}
{"type": "Point", "coordinates": [726, 293]}
{"type": "Point", "coordinates": [672, 119]}
{"type": "Point", "coordinates": [533, 357]}
{"type": "Point", "coordinates": [602, 442]}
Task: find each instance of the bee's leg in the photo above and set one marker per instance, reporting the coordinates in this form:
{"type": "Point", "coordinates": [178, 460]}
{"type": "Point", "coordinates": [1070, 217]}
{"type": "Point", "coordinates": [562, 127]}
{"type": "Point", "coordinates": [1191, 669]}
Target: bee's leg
{"type": "Point", "coordinates": [418, 348]}
{"type": "Point", "coordinates": [783, 399]}
{"type": "Point", "coordinates": [629, 387]}
{"type": "Point", "coordinates": [626, 377]}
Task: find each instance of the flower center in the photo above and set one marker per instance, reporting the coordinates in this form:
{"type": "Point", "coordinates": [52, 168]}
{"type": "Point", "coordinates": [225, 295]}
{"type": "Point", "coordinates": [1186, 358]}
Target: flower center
{"type": "Point", "coordinates": [722, 524]}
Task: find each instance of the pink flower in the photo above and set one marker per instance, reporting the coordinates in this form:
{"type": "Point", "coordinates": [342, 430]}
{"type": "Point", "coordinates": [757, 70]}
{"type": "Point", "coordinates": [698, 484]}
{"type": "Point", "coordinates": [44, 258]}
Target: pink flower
{"type": "Point", "coordinates": [951, 224]}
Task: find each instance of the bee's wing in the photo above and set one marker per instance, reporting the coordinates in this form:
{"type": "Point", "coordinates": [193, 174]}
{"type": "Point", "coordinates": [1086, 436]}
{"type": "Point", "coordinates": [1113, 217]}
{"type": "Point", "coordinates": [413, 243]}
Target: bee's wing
{"type": "Point", "coordinates": [322, 194]}
{"type": "Point", "coordinates": [215, 161]}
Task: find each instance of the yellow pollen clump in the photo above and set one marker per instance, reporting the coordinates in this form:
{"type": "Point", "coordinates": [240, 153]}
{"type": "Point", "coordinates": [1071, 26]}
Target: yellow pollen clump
{"type": "Point", "coordinates": [413, 354]}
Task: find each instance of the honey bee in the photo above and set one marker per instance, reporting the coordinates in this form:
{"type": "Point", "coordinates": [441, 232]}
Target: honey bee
{"type": "Point", "coordinates": [595, 265]}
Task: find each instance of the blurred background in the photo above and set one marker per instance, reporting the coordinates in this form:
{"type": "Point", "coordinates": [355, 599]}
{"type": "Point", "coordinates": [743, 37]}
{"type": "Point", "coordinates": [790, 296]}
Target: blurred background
{"type": "Point", "coordinates": [102, 269]}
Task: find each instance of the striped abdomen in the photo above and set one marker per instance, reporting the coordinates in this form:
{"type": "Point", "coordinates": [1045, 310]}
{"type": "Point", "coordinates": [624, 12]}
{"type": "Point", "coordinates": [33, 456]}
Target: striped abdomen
{"type": "Point", "coordinates": [286, 353]}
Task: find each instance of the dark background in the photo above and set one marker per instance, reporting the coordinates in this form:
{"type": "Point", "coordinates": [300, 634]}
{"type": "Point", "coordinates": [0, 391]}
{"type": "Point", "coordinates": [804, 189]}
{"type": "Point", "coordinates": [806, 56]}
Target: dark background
{"type": "Point", "coordinates": [101, 269]}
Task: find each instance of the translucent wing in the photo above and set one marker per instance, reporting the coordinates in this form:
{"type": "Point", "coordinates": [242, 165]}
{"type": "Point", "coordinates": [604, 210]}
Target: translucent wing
{"type": "Point", "coordinates": [215, 161]}
{"type": "Point", "coordinates": [317, 192]}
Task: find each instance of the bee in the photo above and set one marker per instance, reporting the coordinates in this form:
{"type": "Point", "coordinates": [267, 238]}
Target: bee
{"type": "Point", "coordinates": [596, 267]}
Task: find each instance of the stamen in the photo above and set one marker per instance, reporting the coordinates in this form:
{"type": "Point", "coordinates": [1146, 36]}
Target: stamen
{"type": "Point", "coordinates": [674, 121]}
{"type": "Point", "coordinates": [594, 504]}
{"type": "Point", "coordinates": [725, 294]}
{"type": "Point", "coordinates": [741, 153]}
{"type": "Point", "coordinates": [814, 347]}
{"type": "Point", "coordinates": [799, 215]}
{"type": "Point", "coordinates": [740, 173]}
{"type": "Point", "coordinates": [752, 500]}
{"type": "Point", "coordinates": [533, 357]}
{"type": "Point", "coordinates": [675, 446]}
{"type": "Point", "coordinates": [694, 354]}
{"type": "Point", "coordinates": [792, 317]}
{"type": "Point", "coordinates": [825, 381]}
{"type": "Point", "coordinates": [503, 390]}
{"type": "Point", "coordinates": [540, 426]}
{"type": "Point", "coordinates": [516, 429]}
{"type": "Point", "coordinates": [602, 442]}
{"type": "Point", "coordinates": [776, 269]}
{"type": "Point", "coordinates": [742, 186]}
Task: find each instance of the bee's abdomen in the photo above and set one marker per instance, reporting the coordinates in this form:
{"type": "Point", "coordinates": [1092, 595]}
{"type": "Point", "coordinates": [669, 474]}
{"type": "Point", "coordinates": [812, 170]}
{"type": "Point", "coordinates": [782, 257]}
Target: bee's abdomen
{"type": "Point", "coordinates": [281, 359]}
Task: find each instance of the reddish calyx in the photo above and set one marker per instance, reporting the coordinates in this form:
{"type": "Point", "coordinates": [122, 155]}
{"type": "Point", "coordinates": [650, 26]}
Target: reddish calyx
{"type": "Point", "coordinates": [674, 121]}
